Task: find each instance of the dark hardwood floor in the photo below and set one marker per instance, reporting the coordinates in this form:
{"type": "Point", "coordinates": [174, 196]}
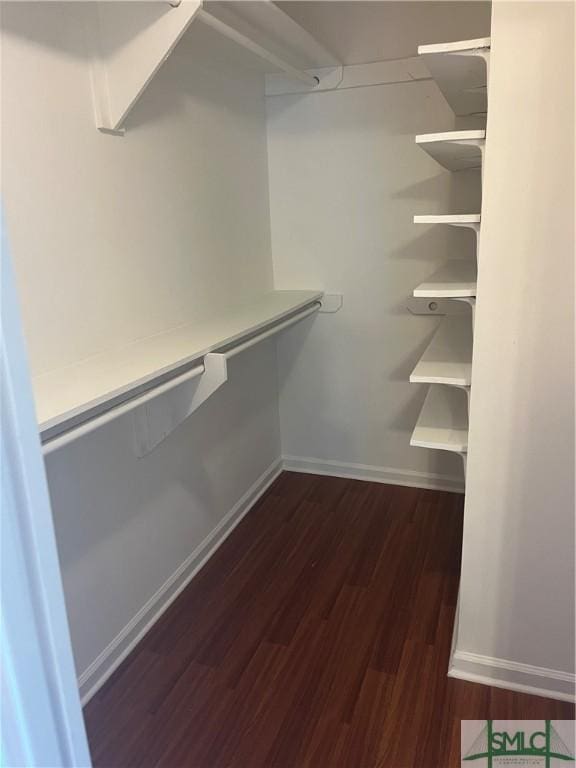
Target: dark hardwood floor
{"type": "Point", "coordinates": [318, 635]}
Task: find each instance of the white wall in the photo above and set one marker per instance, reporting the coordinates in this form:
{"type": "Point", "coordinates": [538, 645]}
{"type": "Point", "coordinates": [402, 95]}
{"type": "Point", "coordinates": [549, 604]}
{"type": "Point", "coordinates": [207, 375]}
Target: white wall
{"type": "Point", "coordinates": [119, 237]}
{"type": "Point", "coordinates": [131, 235]}
{"type": "Point", "coordinates": [517, 590]}
{"type": "Point", "coordinates": [346, 179]}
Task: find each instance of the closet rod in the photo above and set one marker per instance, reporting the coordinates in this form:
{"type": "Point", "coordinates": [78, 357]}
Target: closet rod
{"type": "Point", "coordinates": [265, 334]}
{"type": "Point", "coordinates": [258, 50]}
{"type": "Point", "coordinates": [65, 438]}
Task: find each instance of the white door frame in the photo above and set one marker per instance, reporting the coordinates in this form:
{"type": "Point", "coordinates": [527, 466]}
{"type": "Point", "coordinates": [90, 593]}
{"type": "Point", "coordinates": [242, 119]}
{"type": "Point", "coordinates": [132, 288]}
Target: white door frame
{"type": "Point", "coordinates": [41, 717]}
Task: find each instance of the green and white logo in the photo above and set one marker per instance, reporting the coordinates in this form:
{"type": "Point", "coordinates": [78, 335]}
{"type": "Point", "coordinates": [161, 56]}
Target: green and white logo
{"type": "Point", "coordinates": [518, 743]}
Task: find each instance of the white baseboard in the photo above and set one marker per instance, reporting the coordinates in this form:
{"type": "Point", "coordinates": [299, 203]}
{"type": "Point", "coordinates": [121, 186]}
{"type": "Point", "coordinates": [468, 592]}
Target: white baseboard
{"type": "Point", "coordinates": [454, 643]}
{"type": "Point", "coordinates": [374, 474]}
{"type": "Point", "coordinates": [96, 674]}
{"type": "Point", "coordinates": [512, 675]}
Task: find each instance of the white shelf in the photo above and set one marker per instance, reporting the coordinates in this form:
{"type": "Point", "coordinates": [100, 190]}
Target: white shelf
{"type": "Point", "coordinates": [443, 420]}
{"type": "Point", "coordinates": [460, 70]}
{"type": "Point", "coordinates": [455, 279]}
{"type": "Point", "coordinates": [459, 46]}
{"type": "Point", "coordinates": [456, 219]}
{"type": "Point", "coordinates": [132, 41]}
{"type": "Point", "coordinates": [454, 150]}
{"type": "Point", "coordinates": [95, 384]}
{"type": "Point", "coordinates": [448, 358]}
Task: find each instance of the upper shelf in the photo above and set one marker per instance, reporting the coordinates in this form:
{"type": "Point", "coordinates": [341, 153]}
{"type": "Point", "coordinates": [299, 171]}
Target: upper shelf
{"type": "Point", "coordinates": [460, 70]}
{"type": "Point", "coordinates": [455, 279]}
{"type": "Point", "coordinates": [443, 420]}
{"type": "Point", "coordinates": [454, 150]}
{"type": "Point", "coordinates": [448, 358]}
{"type": "Point", "coordinates": [131, 41]}
{"type": "Point", "coordinates": [77, 390]}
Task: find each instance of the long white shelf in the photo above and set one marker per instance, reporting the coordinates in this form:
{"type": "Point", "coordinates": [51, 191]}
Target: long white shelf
{"type": "Point", "coordinates": [452, 280]}
{"type": "Point", "coordinates": [66, 394]}
{"type": "Point", "coordinates": [454, 150]}
{"type": "Point", "coordinates": [460, 70]}
{"type": "Point", "coordinates": [443, 420]}
{"type": "Point", "coordinates": [448, 357]}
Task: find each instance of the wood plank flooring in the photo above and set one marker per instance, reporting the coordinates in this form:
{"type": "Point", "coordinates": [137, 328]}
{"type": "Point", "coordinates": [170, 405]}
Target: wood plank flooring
{"type": "Point", "coordinates": [317, 636]}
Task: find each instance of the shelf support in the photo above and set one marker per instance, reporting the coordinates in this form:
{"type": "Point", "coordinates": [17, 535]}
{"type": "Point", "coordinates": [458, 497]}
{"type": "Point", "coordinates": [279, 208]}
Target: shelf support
{"type": "Point", "coordinates": [331, 303]}
{"type": "Point", "coordinates": [130, 41]}
{"type": "Point", "coordinates": [433, 306]}
{"type": "Point", "coordinates": [475, 227]}
{"type": "Point", "coordinates": [464, 85]}
{"type": "Point", "coordinates": [453, 222]}
{"type": "Point", "coordinates": [156, 419]}
{"type": "Point", "coordinates": [471, 301]}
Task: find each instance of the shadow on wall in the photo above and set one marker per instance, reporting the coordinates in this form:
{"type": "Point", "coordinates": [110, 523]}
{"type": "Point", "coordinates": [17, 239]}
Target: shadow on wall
{"type": "Point", "coordinates": [461, 190]}
{"type": "Point", "coordinates": [67, 27]}
{"type": "Point", "coordinates": [98, 485]}
{"type": "Point", "coordinates": [132, 522]}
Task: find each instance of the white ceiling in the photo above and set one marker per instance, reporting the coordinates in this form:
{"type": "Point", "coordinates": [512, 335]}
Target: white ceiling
{"type": "Point", "coordinates": [361, 32]}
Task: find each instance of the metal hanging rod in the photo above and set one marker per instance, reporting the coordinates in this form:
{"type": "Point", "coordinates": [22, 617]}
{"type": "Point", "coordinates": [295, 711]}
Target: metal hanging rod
{"type": "Point", "coordinates": [271, 331]}
{"type": "Point", "coordinates": [258, 50]}
{"type": "Point", "coordinates": [85, 427]}
{"type": "Point", "coordinates": [90, 425]}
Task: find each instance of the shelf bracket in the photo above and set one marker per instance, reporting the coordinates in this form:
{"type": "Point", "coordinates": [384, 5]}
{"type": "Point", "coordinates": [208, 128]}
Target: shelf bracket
{"type": "Point", "coordinates": [155, 420]}
{"type": "Point", "coordinates": [475, 227]}
{"type": "Point", "coordinates": [129, 42]}
{"type": "Point", "coordinates": [330, 303]}
{"type": "Point", "coordinates": [471, 301]}
{"type": "Point", "coordinates": [433, 306]}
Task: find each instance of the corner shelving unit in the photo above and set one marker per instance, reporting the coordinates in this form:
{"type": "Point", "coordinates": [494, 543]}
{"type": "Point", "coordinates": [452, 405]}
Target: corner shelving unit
{"type": "Point", "coordinates": [461, 72]}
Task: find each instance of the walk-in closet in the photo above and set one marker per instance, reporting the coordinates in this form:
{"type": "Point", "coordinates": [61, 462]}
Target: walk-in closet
{"type": "Point", "coordinates": [288, 307]}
